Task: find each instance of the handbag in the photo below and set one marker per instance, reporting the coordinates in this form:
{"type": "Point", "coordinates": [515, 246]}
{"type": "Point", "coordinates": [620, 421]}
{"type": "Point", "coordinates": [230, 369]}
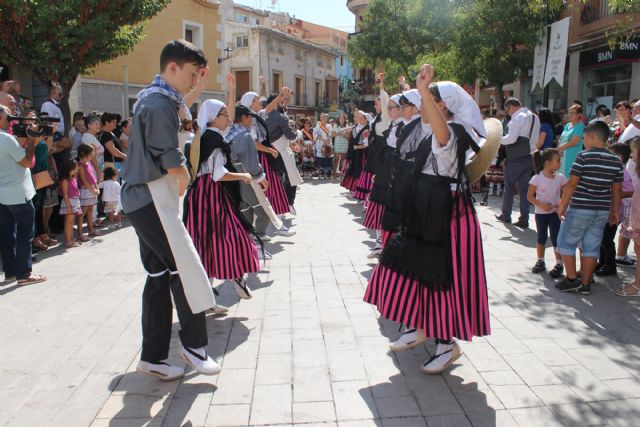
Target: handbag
{"type": "Point", "coordinates": [42, 180]}
{"type": "Point", "coordinates": [522, 146]}
{"type": "Point", "coordinates": [327, 150]}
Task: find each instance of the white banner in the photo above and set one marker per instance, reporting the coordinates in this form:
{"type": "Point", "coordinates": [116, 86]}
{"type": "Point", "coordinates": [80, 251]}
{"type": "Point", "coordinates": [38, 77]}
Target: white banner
{"type": "Point", "coordinates": [557, 52]}
{"type": "Point", "coordinates": [540, 60]}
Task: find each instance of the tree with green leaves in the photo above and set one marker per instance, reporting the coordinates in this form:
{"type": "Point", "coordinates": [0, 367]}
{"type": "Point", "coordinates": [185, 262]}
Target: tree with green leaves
{"type": "Point", "coordinates": [59, 40]}
{"type": "Point", "coordinates": [394, 33]}
{"type": "Point", "coordinates": [494, 39]}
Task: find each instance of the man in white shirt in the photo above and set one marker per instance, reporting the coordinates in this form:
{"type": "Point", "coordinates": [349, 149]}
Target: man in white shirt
{"type": "Point", "coordinates": [518, 166]}
{"type": "Point", "coordinates": [633, 129]}
{"type": "Point", "coordinates": [62, 144]}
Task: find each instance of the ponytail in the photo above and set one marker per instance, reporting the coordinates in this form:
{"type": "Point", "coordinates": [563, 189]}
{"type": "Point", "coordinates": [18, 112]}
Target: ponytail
{"type": "Point", "coordinates": [543, 156]}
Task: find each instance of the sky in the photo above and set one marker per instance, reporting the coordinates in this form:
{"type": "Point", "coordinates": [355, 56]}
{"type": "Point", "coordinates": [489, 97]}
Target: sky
{"type": "Point", "coordinates": [330, 13]}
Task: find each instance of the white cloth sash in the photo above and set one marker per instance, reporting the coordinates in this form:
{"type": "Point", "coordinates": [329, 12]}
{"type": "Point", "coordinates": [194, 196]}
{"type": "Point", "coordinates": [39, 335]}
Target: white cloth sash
{"type": "Point", "coordinates": [195, 282]}
{"type": "Point", "coordinates": [282, 145]}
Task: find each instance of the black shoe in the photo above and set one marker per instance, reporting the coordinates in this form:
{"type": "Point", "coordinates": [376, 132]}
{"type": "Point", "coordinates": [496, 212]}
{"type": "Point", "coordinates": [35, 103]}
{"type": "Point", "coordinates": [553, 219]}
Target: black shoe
{"type": "Point", "coordinates": [585, 290]}
{"type": "Point", "coordinates": [539, 267]}
{"type": "Point", "coordinates": [501, 218]}
{"type": "Point", "coordinates": [626, 261]}
{"type": "Point", "coordinates": [521, 224]}
{"type": "Point", "coordinates": [606, 271]}
{"type": "Point", "coordinates": [557, 271]}
{"type": "Point", "coordinates": [568, 285]}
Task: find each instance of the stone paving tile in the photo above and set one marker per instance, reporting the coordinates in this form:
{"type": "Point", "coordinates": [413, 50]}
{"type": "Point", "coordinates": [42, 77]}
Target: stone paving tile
{"type": "Point", "coordinates": [307, 351]}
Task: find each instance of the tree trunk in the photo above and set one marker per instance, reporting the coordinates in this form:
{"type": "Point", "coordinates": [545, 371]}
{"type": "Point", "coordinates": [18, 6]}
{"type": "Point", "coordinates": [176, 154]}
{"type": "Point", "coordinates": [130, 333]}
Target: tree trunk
{"type": "Point", "coordinates": [500, 95]}
{"type": "Point", "coordinates": [64, 105]}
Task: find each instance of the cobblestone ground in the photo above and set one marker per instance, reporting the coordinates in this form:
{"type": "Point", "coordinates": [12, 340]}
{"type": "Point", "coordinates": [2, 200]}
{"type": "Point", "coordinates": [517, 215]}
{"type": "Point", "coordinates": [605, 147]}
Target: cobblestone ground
{"type": "Point", "coordinates": [307, 351]}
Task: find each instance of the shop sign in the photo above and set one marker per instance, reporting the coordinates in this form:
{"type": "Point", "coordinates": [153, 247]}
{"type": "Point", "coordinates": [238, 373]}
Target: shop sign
{"type": "Point", "coordinates": [623, 51]}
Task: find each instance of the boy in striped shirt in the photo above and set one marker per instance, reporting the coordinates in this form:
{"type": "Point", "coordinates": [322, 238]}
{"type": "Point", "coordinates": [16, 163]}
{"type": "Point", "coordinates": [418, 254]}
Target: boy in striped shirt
{"type": "Point", "coordinates": [586, 206]}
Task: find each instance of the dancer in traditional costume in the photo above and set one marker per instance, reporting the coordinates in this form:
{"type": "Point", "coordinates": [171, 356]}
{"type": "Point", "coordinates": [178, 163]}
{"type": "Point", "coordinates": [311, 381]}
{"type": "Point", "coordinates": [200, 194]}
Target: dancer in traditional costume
{"type": "Point", "coordinates": [409, 134]}
{"type": "Point", "coordinates": [382, 177]}
{"type": "Point", "coordinates": [282, 136]}
{"type": "Point", "coordinates": [269, 156]}
{"type": "Point", "coordinates": [376, 141]}
{"type": "Point", "coordinates": [355, 153]}
{"type": "Point", "coordinates": [431, 275]}
{"type": "Point", "coordinates": [154, 179]}
{"type": "Point", "coordinates": [363, 184]}
{"type": "Point", "coordinates": [219, 231]}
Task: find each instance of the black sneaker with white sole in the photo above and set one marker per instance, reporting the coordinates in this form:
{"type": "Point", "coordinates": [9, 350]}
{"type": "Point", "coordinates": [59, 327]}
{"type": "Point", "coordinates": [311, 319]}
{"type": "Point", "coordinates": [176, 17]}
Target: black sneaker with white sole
{"type": "Point", "coordinates": [585, 290]}
{"type": "Point", "coordinates": [568, 285]}
{"type": "Point", "coordinates": [539, 267]}
{"type": "Point", "coordinates": [557, 271]}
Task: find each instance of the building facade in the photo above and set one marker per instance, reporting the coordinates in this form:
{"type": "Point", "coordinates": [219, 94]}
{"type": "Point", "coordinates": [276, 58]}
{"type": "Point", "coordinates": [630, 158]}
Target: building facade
{"type": "Point", "coordinates": [272, 45]}
{"type": "Point", "coordinates": [113, 86]}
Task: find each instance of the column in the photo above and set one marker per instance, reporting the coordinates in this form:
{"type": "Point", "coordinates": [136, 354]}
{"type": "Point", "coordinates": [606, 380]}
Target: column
{"type": "Point", "coordinates": [575, 77]}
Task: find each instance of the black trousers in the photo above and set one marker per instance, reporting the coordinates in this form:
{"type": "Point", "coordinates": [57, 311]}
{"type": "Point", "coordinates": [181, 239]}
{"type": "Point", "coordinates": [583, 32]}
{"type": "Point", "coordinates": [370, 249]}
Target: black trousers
{"type": "Point", "coordinates": [162, 281]}
{"type": "Point", "coordinates": [608, 248]}
{"type": "Point", "coordinates": [289, 189]}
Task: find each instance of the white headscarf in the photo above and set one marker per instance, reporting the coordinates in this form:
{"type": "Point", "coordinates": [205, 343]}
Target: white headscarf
{"type": "Point", "coordinates": [465, 110]}
{"type": "Point", "coordinates": [208, 112]}
{"type": "Point", "coordinates": [369, 117]}
{"type": "Point", "coordinates": [414, 97]}
{"type": "Point", "coordinates": [396, 98]}
{"type": "Point", "coordinates": [248, 98]}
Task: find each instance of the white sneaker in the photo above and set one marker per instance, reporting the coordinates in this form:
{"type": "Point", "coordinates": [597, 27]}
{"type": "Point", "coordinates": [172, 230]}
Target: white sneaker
{"type": "Point", "coordinates": [408, 340]}
{"type": "Point", "coordinates": [285, 232]}
{"type": "Point", "coordinates": [292, 210]}
{"type": "Point", "coordinates": [198, 359]}
{"type": "Point", "coordinates": [161, 370]}
{"type": "Point", "coordinates": [219, 309]}
{"type": "Point", "coordinates": [445, 355]}
{"type": "Point", "coordinates": [375, 253]}
{"type": "Point", "coordinates": [265, 255]}
{"type": "Point", "coordinates": [242, 289]}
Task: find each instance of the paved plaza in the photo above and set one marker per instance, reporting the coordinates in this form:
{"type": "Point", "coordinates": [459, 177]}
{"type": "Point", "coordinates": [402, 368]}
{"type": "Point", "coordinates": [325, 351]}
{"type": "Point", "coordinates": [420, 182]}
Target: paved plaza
{"type": "Point", "coordinates": [307, 351]}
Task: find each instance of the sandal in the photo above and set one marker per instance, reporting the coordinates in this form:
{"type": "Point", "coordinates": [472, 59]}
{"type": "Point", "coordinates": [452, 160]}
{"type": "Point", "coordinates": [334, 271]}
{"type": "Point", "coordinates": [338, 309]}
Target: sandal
{"type": "Point", "coordinates": [72, 244]}
{"type": "Point", "coordinates": [37, 244]}
{"type": "Point", "coordinates": [622, 291]}
{"type": "Point", "coordinates": [83, 239]}
{"type": "Point", "coordinates": [95, 233]}
{"type": "Point", "coordinates": [34, 278]}
{"type": "Point", "coordinates": [49, 241]}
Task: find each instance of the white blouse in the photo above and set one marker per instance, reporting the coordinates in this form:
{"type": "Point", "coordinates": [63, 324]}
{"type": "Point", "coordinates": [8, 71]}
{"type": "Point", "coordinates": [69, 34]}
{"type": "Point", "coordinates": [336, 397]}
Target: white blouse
{"type": "Point", "coordinates": [215, 162]}
{"type": "Point", "coordinates": [446, 158]}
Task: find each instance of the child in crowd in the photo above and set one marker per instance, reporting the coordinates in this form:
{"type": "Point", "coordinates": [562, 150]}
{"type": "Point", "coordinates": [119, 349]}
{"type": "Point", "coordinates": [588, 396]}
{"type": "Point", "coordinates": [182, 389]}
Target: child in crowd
{"type": "Point", "coordinates": [594, 187]}
{"type": "Point", "coordinates": [495, 175]}
{"type": "Point", "coordinates": [111, 197]}
{"type": "Point", "coordinates": [631, 224]}
{"type": "Point", "coordinates": [545, 190]}
{"type": "Point", "coordinates": [88, 185]}
{"type": "Point", "coordinates": [70, 206]}
{"type": "Point", "coordinates": [607, 262]}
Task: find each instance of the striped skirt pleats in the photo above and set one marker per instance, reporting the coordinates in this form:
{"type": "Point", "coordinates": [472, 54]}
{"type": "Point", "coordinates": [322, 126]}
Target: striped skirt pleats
{"type": "Point", "coordinates": [460, 312]}
{"type": "Point", "coordinates": [275, 193]}
{"type": "Point", "coordinates": [363, 186]}
{"type": "Point", "coordinates": [373, 215]}
{"type": "Point", "coordinates": [226, 249]}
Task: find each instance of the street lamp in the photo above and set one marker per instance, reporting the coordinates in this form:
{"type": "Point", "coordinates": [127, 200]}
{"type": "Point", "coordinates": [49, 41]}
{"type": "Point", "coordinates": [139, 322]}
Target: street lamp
{"type": "Point", "coordinates": [227, 53]}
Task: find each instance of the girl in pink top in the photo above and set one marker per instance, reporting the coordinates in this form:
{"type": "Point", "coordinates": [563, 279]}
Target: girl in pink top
{"type": "Point", "coordinates": [88, 185]}
{"type": "Point", "coordinates": [545, 191]}
{"type": "Point", "coordinates": [70, 206]}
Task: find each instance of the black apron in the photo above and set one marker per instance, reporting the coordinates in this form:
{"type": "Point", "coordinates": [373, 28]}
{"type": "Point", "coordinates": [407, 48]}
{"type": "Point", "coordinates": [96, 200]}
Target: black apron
{"type": "Point", "coordinates": [355, 156]}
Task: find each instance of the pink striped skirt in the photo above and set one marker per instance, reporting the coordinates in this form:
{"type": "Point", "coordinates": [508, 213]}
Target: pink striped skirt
{"type": "Point", "coordinates": [460, 312]}
{"type": "Point", "coordinates": [363, 186]}
{"type": "Point", "coordinates": [275, 193]}
{"type": "Point", "coordinates": [373, 216]}
{"type": "Point", "coordinates": [226, 249]}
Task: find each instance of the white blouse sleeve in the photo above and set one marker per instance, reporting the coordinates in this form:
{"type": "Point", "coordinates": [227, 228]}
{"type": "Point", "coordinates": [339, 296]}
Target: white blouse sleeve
{"type": "Point", "coordinates": [219, 171]}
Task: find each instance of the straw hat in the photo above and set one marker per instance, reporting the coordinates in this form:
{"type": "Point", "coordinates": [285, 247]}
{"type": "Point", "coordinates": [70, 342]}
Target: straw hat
{"type": "Point", "coordinates": [481, 161]}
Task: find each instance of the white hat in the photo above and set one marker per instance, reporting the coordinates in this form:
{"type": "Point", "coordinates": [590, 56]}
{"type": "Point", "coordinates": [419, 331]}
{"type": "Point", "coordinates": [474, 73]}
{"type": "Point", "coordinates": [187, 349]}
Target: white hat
{"type": "Point", "coordinates": [248, 98]}
{"type": "Point", "coordinates": [209, 110]}
{"type": "Point", "coordinates": [465, 110]}
{"type": "Point", "coordinates": [414, 97]}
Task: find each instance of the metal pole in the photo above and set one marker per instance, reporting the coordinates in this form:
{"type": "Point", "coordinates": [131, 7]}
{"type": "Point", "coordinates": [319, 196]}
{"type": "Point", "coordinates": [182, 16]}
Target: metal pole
{"type": "Point", "coordinates": [125, 93]}
{"type": "Point", "coordinates": [545, 89]}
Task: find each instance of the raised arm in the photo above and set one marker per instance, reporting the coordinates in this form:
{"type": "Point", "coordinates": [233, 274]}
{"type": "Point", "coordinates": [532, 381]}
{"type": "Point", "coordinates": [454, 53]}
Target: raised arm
{"type": "Point", "coordinates": [201, 82]}
{"type": "Point", "coordinates": [430, 112]}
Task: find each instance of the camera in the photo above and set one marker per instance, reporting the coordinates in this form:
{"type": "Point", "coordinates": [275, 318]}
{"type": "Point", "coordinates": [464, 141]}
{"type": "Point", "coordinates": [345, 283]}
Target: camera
{"type": "Point", "coordinates": [25, 126]}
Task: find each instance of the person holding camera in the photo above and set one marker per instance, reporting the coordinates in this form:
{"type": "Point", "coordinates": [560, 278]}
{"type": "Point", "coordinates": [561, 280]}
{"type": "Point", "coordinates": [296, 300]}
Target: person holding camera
{"type": "Point", "coordinates": [17, 214]}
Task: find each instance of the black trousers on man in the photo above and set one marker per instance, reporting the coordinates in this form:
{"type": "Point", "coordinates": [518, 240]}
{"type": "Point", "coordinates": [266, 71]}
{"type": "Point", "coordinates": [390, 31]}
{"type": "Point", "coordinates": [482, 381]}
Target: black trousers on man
{"type": "Point", "coordinates": [162, 281]}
